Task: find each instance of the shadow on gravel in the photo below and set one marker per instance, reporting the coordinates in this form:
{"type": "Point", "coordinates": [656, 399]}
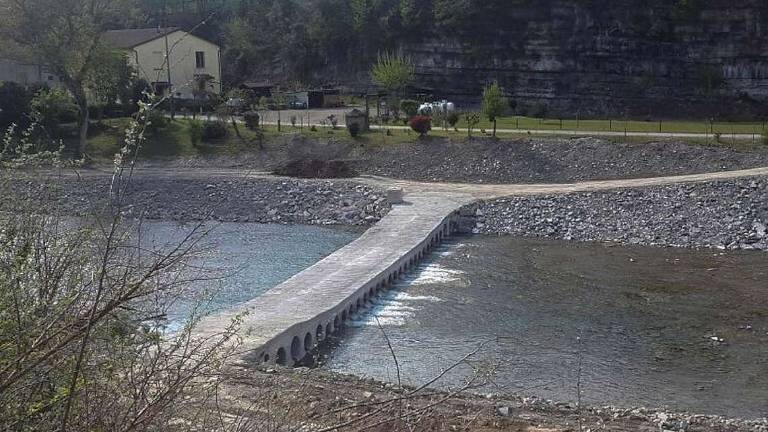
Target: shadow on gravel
{"type": "Point", "coordinates": [315, 168]}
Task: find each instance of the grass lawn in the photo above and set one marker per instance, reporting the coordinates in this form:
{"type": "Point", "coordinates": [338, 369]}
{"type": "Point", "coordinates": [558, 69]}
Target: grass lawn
{"type": "Point", "coordinates": [174, 140]}
{"type": "Point", "coordinates": [701, 127]}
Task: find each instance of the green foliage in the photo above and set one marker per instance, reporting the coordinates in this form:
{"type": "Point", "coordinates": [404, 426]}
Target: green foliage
{"type": "Point", "coordinates": [52, 107]}
{"type": "Point", "coordinates": [452, 118]}
{"type": "Point", "coordinates": [362, 13]}
{"type": "Point", "coordinates": [472, 119]}
{"type": "Point", "coordinates": [14, 104]}
{"type": "Point", "coordinates": [494, 103]}
{"type": "Point", "coordinates": [214, 130]}
{"type": "Point", "coordinates": [409, 107]}
{"type": "Point", "coordinates": [252, 119]}
{"type": "Point", "coordinates": [353, 129]}
{"type": "Point", "coordinates": [155, 122]}
{"type": "Point", "coordinates": [112, 80]}
{"type": "Point", "coordinates": [65, 36]}
{"type": "Point", "coordinates": [195, 132]}
{"type": "Point", "coordinates": [392, 72]}
{"type": "Point", "coordinates": [415, 15]}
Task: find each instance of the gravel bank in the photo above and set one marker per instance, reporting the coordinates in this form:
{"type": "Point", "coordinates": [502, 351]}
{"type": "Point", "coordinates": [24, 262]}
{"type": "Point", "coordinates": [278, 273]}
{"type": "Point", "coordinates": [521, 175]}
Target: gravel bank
{"type": "Point", "coordinates": [549, 160]}
{"type": "Point", "coordinates": [239, 200]}
{"type": "Point", "coordinates": [722, 215]}
{"type": "Point", "coordinates": [322, 399]}
{"type": "Point", "coordinates": [523, 160]}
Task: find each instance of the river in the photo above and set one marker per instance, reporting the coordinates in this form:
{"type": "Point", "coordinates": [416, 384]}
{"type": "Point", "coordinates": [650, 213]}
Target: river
{"type": "Point", "coordinates": [236, 262]}
{"type": "Point", "coordinates": [635, 326]}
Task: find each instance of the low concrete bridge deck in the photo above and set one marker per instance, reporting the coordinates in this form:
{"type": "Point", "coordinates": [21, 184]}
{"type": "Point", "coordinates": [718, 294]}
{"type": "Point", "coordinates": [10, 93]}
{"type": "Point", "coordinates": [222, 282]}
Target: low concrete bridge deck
{"type": "Point", "coordinates": [286, 322]}
{"type": "Point", "coordinates": [283, 324]}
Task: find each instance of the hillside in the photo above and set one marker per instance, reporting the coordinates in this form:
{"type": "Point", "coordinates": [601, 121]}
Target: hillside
{"type": "Point", "coordinates": [636, 58]}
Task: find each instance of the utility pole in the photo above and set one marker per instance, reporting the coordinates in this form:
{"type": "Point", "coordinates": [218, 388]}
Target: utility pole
{"type": "Point", "coordinates": [168, 59]}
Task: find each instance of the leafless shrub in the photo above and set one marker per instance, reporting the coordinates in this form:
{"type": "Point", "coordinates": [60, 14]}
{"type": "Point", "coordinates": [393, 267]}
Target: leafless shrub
{"type": "Point", "coordinates": [83, 338]}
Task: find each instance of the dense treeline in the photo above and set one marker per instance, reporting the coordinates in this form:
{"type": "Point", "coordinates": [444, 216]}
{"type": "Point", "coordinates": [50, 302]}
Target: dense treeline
{"type": "Point", "coordinates": [293, 40]}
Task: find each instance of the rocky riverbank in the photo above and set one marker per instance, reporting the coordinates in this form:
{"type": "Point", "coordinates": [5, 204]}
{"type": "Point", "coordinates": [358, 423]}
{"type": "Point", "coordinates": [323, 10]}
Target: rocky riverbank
{"type": "Point", "coordinates": [304, 399]}
{"type": "Point", "coordinates": [722, 215]}
{"type": "Point", "coordinates": [483, 160]}
{"type": "Point", "coordinates": [262, 200]}
{"type": "Point", "coordinates": [549, 160]}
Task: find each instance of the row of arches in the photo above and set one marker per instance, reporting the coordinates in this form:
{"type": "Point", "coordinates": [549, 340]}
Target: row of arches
{"type": "Point", "coordinates": [301, 345]}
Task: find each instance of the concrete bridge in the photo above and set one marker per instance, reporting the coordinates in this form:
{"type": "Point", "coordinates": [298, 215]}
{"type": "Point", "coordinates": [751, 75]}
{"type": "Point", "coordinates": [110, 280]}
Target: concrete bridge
{"type": "Point", "coordinates": [285, 323]}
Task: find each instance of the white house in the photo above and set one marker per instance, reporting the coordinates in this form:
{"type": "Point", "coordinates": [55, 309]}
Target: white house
{"type": "Point", "coordinates": [25, 74]}
{"type": "Point", "coordinates": [194, 63]}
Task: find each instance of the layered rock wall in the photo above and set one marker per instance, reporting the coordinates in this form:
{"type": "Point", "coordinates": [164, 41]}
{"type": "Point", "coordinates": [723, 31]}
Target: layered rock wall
{"type": "Point", "coordinates": [623, 58]}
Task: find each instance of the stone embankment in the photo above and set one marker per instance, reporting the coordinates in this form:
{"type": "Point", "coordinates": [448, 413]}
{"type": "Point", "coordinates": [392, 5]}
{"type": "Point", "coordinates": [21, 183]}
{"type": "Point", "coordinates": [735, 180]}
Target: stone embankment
{"type": "Point", "coordinates": [548, 160]}
{"type": "Point", "coordinates": [722, 214]}
{"type": "Point", "coordinates": [259, 200]}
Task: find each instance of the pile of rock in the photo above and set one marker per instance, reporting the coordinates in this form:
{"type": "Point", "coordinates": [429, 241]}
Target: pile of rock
{"type": "Point", "coordinates": [549, 160]}
{"type": "Point", "coordinates": [229, 200]}
{"type": "Point", "coordinates": [723, 215]}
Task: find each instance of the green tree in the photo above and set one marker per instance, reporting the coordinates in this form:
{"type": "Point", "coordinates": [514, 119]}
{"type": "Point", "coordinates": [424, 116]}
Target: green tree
{"type": "Point", "coordinates": [393, 73]}
{"type": "Point", "coordinates": [65, 36]}
{"type": "Point", "coordinates": [51, 107]}
{"type": "Point", "coordinates": [472, 119]}
{"type": "Point", "coordinates": [112, 81]}
{"type": "Point", "coordinates": [415, 14]}
{"type": "Point", "coordinates": [494, 103]}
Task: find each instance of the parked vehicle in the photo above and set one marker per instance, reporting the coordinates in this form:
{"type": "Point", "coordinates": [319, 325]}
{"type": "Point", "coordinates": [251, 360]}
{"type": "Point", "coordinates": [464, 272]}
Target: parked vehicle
{"type": "Point", "coordinates": [236, 105]}
{"type": "Point", "coordinates": [431, 108]}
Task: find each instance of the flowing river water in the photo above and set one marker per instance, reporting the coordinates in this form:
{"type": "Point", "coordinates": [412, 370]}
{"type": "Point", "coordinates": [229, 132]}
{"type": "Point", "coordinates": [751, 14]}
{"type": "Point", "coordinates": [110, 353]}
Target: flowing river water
{"type": "Point", "coordinates": [236, 262]}
{"type": "Point", "coordinates": [675, 328]}
{"type": "Point", "coordinates": [635, 326]}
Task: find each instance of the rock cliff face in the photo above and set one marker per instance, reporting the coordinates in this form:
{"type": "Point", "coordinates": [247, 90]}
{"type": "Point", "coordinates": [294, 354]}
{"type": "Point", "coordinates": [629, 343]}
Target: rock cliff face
{"type": "Point", "coordinates": [635, 58]}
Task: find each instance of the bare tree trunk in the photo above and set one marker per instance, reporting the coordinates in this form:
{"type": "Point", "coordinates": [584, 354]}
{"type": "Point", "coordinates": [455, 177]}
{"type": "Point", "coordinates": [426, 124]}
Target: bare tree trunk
{"type": "Point", "coordinates": [84, 119]}
{"type": "Point", "coordinates": [81, 99]}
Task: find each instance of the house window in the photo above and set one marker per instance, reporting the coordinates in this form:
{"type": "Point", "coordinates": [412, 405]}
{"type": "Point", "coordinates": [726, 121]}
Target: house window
{"type": "Point", "coordinates": [200, 59]}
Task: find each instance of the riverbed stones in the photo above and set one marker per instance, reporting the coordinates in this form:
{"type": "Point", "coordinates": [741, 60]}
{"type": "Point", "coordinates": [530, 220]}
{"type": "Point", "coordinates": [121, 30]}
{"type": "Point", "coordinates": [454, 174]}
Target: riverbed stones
{"type": "Point", "coordinates": [262, 200]}
{"type": "Point", "coordinates": [548, 160]}
{"type": "Point", "coordinates": [725, 215]}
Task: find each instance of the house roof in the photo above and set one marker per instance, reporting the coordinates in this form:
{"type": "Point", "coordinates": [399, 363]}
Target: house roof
{"type": "Point", "coordinates": [257, 84]}
{"type": "Point", "coordinates": [131, 38]}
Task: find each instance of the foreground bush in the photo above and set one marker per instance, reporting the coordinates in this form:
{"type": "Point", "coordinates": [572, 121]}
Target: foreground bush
{"type": "Point", "coordinates": [421, 124]}
{"type": "Point", "coordinates": [214, 130]}
{"type": "Point", "coordinates": [195, 132]}
{"type": "Point", "coordinates": [353, 129]}
{"type": "Point", "coordinates": [409, 107]}
{"type": "Point", "coordinates": [14, 105]}
{"type": "Point", "coordinates": [84, 342]}
{"type": "Point", "coordinates": [53, 107]}
{"type": "Point", "coordinates": [156, 121]}
{"type": "Point", "coordinates": [252, 120]}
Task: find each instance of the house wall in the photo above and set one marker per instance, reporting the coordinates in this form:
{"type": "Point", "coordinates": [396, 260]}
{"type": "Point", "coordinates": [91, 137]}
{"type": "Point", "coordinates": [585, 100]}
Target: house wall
{"type": "Point", "coordinates": [149, 61]}
{"type": "Point", "coordinates": [25, 74]}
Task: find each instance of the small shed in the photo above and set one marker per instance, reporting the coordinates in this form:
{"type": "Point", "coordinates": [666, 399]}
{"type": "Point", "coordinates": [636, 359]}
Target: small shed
{"type": "Point", "coordinates": [357, 117]}
{"type": "Point", "coordinates": [299, 99]}
{"type": "Point", "coordinates": [258, 89]}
